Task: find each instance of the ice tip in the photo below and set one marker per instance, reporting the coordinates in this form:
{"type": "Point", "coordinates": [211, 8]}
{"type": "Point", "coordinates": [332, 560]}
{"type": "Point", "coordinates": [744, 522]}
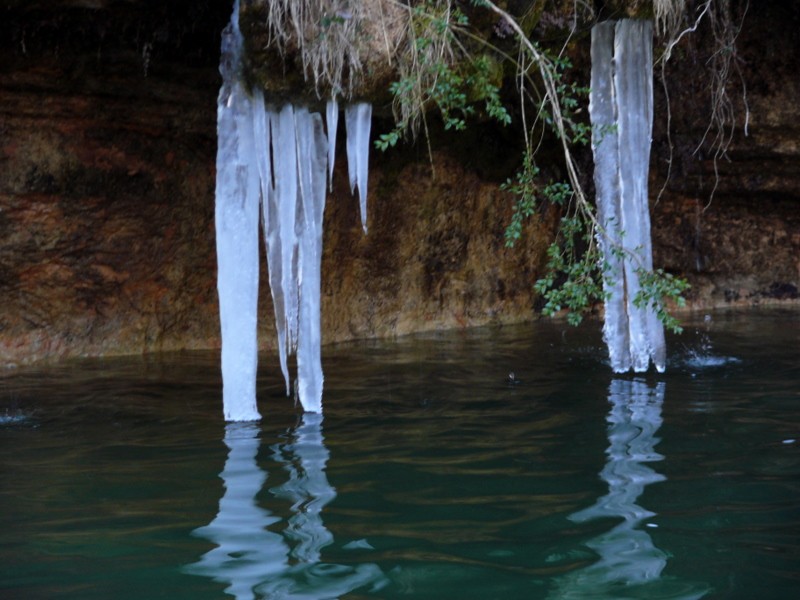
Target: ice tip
{"type": "Point", "coordinates": [231, 419]}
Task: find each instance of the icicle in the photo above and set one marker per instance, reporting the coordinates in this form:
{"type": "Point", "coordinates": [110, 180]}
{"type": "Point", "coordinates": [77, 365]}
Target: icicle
{"type": "Point", "coordinates": [621, 109]}
{"type": "Point", "coordinates": [236, 220]}
{"type": "Point", "coordinates": [332, 119]}
{"type": "Point", "coordinates": [262, 117]}
{"type": "Point", "coordinates": [281, 159]}
{"type": "Point", "coordinates": [312, 156]}
{"type": "Point", "coordinates": [602, 109]}
{"type": "Point", "coordinates": [358, 120]}
{"type": "Point", "coordinates": [284, 153]}
{"type": "Point", "coordinates": [633, 80]}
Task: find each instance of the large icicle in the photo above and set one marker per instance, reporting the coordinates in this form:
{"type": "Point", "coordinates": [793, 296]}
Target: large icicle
{"type": "Point", "coordinates": [621, 110]}
{"type": "Point", "coordinates": [602, 109]}
{"type": "Point", "coordinates": [358, 121]}
{"type": "Point", "coordinates": [633, 79]}
{"type": "Point", "coordinates": [236, 220]}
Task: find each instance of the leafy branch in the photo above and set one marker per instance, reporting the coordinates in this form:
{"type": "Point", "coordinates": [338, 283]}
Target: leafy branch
{"type": "Point", "coordinates": [437, 71]}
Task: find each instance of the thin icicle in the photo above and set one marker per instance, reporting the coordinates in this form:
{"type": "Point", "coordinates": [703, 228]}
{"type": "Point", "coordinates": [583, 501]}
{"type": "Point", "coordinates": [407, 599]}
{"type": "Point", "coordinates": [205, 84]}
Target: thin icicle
{"type": "Point", "coordinates": [262, 117]}
{"type": "Point", "coordinates": [284, 148]}
{"type": "Point", "coordinates": [332, 119]}
{"type": "Point", "coordinates": [262, 142]}
{"type": "Point", "coordinates": [363, 123]}
{"type": "Point", "coordinates": [236, 221]}
{"type": "Point", "coordinates": [358, 121]}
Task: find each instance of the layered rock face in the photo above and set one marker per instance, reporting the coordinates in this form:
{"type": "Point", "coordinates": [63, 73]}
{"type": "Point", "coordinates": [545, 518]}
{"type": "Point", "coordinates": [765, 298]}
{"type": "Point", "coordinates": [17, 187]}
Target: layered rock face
{"type": "Point", "coordinates": [106, 179]}
{"type": "Point", "coordinates": [107, 149]}
{"type": "Point", "coordinates": [732, 225]}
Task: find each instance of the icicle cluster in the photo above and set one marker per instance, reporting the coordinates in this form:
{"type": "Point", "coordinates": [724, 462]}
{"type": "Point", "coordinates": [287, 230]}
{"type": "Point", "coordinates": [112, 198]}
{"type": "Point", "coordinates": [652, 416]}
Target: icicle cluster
{"type": "Point", "coordinates": [278, 159]}
{"type": "Point", "coordinates": [621, 110]}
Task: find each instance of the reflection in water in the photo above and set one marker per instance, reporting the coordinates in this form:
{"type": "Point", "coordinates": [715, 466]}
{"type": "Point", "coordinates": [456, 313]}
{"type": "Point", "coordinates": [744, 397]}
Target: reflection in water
{"type": "Point", "coordinates": [258, 563]}
{"type": "Point", "coordinates": [246, 551]}
{"type": "Point", "coordinates": [628, 557]}
{"type": "Point", "coordinates": [308, 488]}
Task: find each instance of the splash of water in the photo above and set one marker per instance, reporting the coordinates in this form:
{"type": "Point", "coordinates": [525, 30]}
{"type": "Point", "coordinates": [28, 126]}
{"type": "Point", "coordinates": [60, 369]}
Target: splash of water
{"type": "Point", "coordinates": [9, 417]}
{"type": "Point", "coordinates": [703, 355]}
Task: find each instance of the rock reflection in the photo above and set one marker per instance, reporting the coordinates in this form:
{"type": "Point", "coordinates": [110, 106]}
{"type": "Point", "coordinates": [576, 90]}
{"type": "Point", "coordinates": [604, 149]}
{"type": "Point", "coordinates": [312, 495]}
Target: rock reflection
{"type": "Point", "coordinates": [258, 563]}
{"type": "Point", "coordinates": [629, 560]}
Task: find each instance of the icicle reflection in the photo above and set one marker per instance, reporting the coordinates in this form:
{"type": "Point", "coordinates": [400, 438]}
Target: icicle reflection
{"type": "Point", "coordinates": [628, 559]}
{"type": "Point", "coordinates": [250, 556]}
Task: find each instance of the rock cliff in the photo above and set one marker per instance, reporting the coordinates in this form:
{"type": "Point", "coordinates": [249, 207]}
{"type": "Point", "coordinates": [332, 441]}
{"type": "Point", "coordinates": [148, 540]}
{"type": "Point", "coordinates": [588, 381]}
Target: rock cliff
{"type": "Point", "coordinates": [107, 147]}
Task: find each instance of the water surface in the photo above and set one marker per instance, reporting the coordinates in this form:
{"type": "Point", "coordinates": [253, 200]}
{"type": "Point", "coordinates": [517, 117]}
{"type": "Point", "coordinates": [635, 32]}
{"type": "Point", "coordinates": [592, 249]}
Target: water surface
{"type": "Point", "coordinates": [431, 475]}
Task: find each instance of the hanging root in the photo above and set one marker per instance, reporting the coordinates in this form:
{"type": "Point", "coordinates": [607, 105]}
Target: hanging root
{"type": "Point", "coordinates": [722, 66]}
{"type": "Point", "coordinates": [326, 34]}
{"type": "Point", "coordinates": [668, 15]}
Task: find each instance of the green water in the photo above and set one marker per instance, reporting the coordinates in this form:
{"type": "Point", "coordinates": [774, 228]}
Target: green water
{"type": "Point", "coordinates": [430, 476]}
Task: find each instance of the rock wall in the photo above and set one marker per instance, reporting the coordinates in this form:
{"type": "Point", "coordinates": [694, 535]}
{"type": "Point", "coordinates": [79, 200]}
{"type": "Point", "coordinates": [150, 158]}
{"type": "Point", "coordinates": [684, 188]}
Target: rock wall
{"type": "Point", "coordinates": [106, 180]}
{"type": "Point", "coordinates": [107, 148]}
{"type": "Point", "coordinates": [731, 225]}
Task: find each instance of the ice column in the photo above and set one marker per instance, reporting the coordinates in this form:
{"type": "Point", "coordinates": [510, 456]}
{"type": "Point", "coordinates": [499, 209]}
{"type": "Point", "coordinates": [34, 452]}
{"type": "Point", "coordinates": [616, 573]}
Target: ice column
{"type": "Point", "coordinates": [278, 159]}
{"type": "Point", "coordinates": [621, 110]}
{"type": "Point", "coordinates": [237, 221]}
